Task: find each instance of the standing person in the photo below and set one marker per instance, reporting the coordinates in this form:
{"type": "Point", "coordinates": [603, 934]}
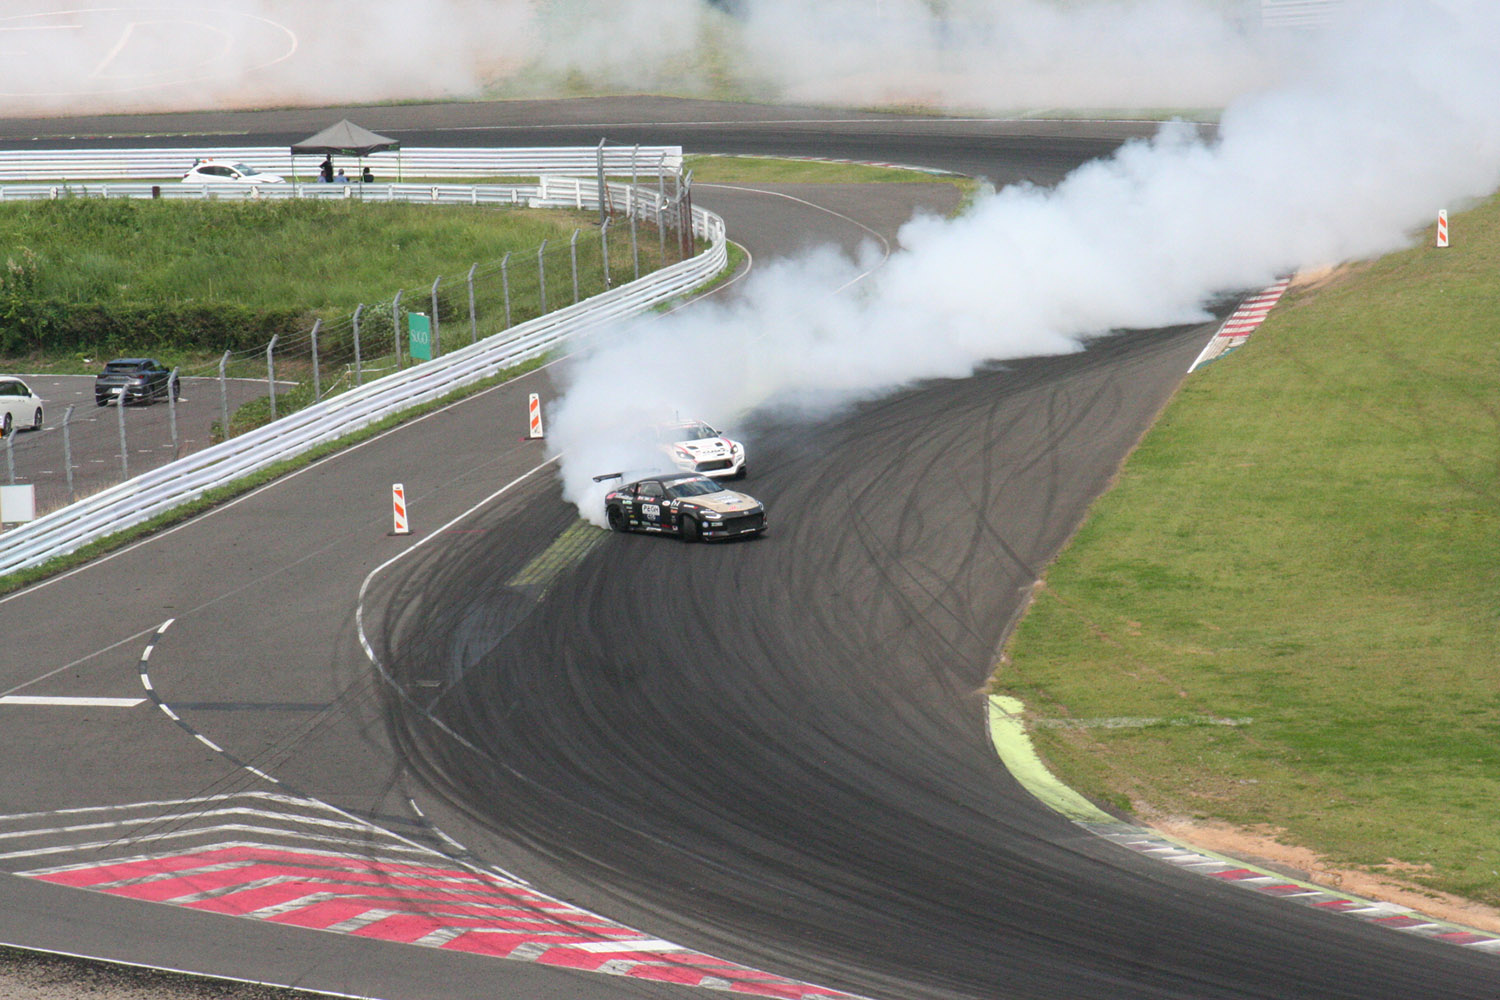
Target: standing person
{"type": "Point", "coordinates": [326, 170]}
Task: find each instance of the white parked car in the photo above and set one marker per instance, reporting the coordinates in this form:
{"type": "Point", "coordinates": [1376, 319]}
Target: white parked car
{"type": "Point", "coordinates": [695, 446]}
{"type": "Point", "coordinates": [19, 406]}
{"type": "Point", "coordinates": [223, 172]}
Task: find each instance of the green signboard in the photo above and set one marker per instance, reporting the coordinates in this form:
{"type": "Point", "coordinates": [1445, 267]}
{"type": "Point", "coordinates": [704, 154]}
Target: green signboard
{"type": "Point", "coordinates": [420, 338]}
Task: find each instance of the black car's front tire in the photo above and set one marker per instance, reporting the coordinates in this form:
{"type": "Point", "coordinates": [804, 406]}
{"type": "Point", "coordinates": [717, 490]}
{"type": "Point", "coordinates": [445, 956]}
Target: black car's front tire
{"type": "Point", "coordinates": [616, 518]}
{"type": "Point", "coordinates": [691, 531]}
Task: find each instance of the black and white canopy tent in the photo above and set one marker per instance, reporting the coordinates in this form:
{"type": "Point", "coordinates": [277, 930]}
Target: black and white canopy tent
{"type": "Point", "coordinates": [346, 139]}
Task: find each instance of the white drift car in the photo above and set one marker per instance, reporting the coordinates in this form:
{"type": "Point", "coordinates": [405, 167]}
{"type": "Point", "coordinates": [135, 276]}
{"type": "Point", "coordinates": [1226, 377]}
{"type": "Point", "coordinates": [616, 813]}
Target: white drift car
{"type": "Point", "coordinates": [694, 446]}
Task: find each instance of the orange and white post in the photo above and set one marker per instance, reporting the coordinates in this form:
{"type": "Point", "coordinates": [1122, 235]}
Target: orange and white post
{"type": "Point", "coordinates": [1442, 234]}
{"type": "Point", "coordinates": [534, 411]}
{"type": "Point", "coordinates": [398, 509]}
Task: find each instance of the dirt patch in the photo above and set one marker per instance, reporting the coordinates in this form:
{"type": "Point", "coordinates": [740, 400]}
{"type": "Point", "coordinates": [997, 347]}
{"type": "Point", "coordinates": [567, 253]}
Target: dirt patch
{"type": "Point", "coordinates": [1261, 848]}
{"type": "Point", "coordinates": [1317, 278]}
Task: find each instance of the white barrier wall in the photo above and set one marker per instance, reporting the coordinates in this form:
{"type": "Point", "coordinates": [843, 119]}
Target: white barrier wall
{"type": "Point", "coordinates": [642, 162]}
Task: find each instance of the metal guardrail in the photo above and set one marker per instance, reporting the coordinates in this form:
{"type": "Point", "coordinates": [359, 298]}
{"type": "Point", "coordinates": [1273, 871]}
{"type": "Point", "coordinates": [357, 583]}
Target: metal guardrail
{"type": "Point", "coordinates": [550, 192]}
{"type": "Point", "coordinates": [422, 161]}
{"type": "Point", "coordinates": [138, 500]}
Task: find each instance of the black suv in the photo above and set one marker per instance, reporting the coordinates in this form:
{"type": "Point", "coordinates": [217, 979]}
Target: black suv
{"type": "Point", "coordinates": [134, 380]}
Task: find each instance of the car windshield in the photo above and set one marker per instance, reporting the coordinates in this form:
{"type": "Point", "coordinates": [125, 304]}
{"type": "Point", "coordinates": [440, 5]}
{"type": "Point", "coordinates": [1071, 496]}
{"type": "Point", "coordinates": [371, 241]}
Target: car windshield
{"type": "Point", "coordinates": [696, 487]}
{"type": "Point", "coordinates": [695, 431]}
{"type": "Point", "coordinates": [124, 366]}
{"type": "Point", "coordinates": [245, 170]}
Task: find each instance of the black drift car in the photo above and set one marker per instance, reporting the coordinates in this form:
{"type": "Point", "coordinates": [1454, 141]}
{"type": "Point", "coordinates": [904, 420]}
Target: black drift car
{"type": "Point", "coordinates": [685, 504]}
{"type": "Point", "coordinates": [135, 380]}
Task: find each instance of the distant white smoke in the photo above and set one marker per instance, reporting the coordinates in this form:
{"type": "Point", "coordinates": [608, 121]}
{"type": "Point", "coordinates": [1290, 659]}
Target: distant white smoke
{"type": "Point", "coordinates": [58, 56]}
{"type": "Point", "coordinates": [1396, 117]}
{"type": "Point", "coordinates": [1011, 54]}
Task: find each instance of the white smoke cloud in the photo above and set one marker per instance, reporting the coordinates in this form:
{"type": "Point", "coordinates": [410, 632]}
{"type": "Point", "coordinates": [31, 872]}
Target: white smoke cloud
{"type": "Point", "coordinates": [61, 57]}
{"type": "Point", "coordinates": [1011, 54]}
{"type": "Point", "coordinates": [58, 56]}
{"type": "Point", "coordinates": [1395, 118]}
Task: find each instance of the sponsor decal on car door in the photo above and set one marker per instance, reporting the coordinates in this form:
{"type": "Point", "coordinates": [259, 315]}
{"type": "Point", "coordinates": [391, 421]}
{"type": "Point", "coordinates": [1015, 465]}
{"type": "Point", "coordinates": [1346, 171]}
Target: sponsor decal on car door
{"type": "Point", "coordinates": [650, 506]}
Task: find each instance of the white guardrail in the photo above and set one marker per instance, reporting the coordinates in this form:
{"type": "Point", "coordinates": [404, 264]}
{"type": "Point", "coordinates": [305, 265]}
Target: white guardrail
{"type": "Point", "coordinates": [642, 162]}
{"type": "Point", "coordinates": [137, 500]}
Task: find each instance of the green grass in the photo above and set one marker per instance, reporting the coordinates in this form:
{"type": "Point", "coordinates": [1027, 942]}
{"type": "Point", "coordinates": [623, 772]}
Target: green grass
{"type": "Point", "coordinates": [1308, 538]}
{"type": "Point", "coordinates": [773, 170]}
{"type": "Point", "coordinates": [311, 254]}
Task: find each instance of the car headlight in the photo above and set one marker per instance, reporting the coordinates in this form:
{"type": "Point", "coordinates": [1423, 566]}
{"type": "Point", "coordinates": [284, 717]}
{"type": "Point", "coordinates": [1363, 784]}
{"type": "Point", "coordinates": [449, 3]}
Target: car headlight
{"type": "Point", "coordinates": [712, 515]}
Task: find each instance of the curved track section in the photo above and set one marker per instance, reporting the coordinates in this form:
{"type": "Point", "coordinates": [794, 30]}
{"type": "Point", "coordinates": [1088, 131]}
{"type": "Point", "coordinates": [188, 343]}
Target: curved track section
{"type": "Point", "coordinates": [777, 747]}
{"type": "Point", "coordinates": [771, 752]}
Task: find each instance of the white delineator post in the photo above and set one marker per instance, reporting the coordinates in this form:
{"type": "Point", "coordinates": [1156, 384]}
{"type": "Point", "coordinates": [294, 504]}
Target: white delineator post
{"type": "Point", "coordinates": [534, 410]}
{"type": "Point", "coordinates": [1442, 231]}
{"type": "Point", "coordinates": [398, 509]}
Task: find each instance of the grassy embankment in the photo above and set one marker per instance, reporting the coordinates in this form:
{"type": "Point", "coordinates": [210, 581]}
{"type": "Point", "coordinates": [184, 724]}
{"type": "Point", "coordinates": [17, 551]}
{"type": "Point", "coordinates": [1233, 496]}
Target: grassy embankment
{"type": "Point", "coordinates": [1306, 545]}
{"type": "Point", "coordinates": [114, 276]}
{"type": "Point", "coordinates": [780, 170]}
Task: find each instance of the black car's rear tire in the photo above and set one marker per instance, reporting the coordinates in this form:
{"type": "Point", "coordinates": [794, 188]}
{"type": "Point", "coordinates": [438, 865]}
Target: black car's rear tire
{"type": "Point", "coordinates": [691, 532]}
{"type": "Point", "coordinates": [616, 518]}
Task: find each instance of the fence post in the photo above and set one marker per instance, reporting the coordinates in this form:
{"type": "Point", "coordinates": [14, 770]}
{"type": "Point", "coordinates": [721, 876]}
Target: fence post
{"type": "Point", "coordinates": [632, 200]}
{"type": "Point", "coordinates": [573, 252]}
{"type": "Point", "coordinates": [396, 324]}
{"type": "Point", "coordinates": [603, 207]}
{"type": "Point", "coordinates": [541, 272]}
{"type": "Point", "coordinates": [223, 399]}
{"type": "Point", "coordinates": [358, 365]}
{"type": "Point", "coordinates": [687, 215]}
{"type": "Point", "coordinates": [68, 451]}
{"type": "Point", "coordinates": [635, 249]}
{"type": "Point", "coordinates": [604, 243]}
{"type": "Point", "coordinates": [172, 412]}
{"type": "Point", "coordinates": [271, 372]}
{"type": "Point", "coordinates": [505, 285]}
{"type": "Point", "coordinates": [124, 456]}
{"type": "Point", "coordinates": [661, 204]}
{"type": "Point", "coordinates": [435, 349]}
{"type": "Point", "coordinates": [473, 317]}
{"type": "Point", "coordinates": [317, 375]}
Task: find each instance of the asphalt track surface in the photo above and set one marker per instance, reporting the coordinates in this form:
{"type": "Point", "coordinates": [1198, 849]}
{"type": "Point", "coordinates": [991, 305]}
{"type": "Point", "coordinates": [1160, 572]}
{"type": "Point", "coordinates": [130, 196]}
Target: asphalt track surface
{"type": "Point", "coordinates": [770, 751]}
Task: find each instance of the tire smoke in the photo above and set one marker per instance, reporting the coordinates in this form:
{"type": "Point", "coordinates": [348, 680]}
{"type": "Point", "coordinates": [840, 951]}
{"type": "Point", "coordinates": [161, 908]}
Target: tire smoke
{"type": "Point", "coordinates": [1394, 118]}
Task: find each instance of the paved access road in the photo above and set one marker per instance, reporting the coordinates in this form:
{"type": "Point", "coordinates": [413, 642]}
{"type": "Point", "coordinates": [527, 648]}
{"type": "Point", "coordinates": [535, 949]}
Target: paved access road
{"type": "Point", "coordinates": [101, 455]}
{"type": "Point", "coordinates": [630, 766]}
